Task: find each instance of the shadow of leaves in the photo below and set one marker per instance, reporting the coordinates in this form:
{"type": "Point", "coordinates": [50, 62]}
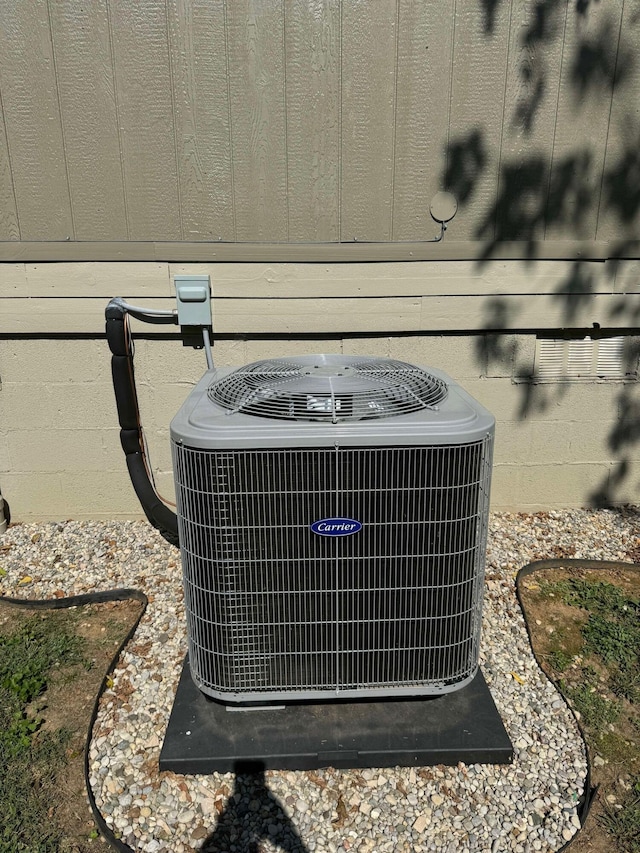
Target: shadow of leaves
{"type": "Point", "coordinates": [597, 66]}
{"type": "Point", "coordinates": [622, 183]}
{"type": "Point", "coordinates": [466, 161]}
{"type": "Point", "coordinates": [489, 9]}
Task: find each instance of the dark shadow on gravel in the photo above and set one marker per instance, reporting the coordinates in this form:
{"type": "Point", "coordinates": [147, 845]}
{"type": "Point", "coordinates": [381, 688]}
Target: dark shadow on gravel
{"type": "Point", "coordinates": [252, 815]}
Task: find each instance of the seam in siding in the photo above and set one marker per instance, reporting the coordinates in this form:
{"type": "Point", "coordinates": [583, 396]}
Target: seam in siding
{"type": "Point", "coordinates": [13, 186]}
{"type": "Point", "coordinates": [451, 77]}
{"type": "Point", "coordinates": [395, 125]}
{"type": "Point", "coordinates": [504, 111]}
{"type": "Point", "coordinates": [606, 140]}
{"type": "Point", "coordinates": [341, 150]}
{"type": "Point", "coordinates": [286, 127]}
{"type": "Point", "coordinates": [230, 124]}
{"type": "Point", "coordinates": [555, 122]}
{"type": "Point", "coordinates": [62, 133]}
{"type": "Point", "coordinates": [173, 117]}
{"type": "Point", "coordinates": [125, 202]}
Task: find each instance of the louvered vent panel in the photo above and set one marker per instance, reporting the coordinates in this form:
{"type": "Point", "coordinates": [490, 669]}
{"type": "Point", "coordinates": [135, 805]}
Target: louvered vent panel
{"type": "Point", "coordinates": [611, 361]}
{"type": "Point", "coordinates": [582, 359]}
{"type": "Point", "coordinates": [276, 610]}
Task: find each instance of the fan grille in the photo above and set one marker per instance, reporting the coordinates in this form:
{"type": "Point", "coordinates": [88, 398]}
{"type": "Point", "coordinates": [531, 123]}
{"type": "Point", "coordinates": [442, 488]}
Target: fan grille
{"type": "Point", "coordinates": [328, 388]}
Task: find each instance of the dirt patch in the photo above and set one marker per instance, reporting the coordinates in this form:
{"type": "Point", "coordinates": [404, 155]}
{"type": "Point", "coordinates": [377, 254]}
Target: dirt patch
{"type": "Point", "coordinates": [68, 703]}
{"type": "Point", "coordinates": [556, 630]}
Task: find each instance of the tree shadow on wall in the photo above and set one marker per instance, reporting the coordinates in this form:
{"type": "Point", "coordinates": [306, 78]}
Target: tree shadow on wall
{"type": "Point", "coordinates": [539, 196]}
{"type": "Point", "coordinates": [489, 10]}
{"type": "Point", "coordinates": [621, 188]}
{"type": "Point", "coordinates": [466, 161]}
{"type": "Point", "coordinates": [253, 815]}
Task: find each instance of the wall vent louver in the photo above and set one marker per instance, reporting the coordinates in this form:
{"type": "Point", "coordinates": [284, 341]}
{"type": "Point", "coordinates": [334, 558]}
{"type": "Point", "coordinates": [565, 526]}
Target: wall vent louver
{"type": "Point", "coordinates": [587, 358]}
{"type": "Point", "coordinates": [399, 453]}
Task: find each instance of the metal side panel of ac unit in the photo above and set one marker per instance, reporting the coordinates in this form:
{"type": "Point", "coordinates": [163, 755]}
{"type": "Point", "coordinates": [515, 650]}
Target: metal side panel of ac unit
{"type": "Point", "coordinates": [275, 610]}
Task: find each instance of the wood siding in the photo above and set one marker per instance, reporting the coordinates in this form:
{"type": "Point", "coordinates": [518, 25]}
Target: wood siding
{"type": "Point", "coordinates": [289, 299]}
{"type": "Point", "coordinates": [318, 121]}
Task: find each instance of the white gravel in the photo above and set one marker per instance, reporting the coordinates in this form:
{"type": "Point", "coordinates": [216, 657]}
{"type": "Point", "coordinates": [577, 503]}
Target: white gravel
{"type": "Point", "coordinates": [530, 805]}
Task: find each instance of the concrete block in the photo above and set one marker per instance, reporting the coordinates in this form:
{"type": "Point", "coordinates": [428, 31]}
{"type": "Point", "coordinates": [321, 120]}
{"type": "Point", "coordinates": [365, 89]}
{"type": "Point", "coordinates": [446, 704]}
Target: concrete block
{"type": "Point", "coordinates": [158, 404]}
{"type": "Point", "coordinates": [537, 441]}
{"type": "Point", "coordinates": [500, 396]}
{"type": "Point", "coordinates": [34, 497]}
{"type": "Point", "coordinates": [378, 347]}
{"type": "Point", "coordinates": [165, 485]}
{"type": "Point", "coordinates": [531, 488]}
{"type": "Point", "coordinates": [457, 355]}
{"type": "Point", "coordinates": [506, 487]}
{"type": "Point", "coordinates": [54, 361]}
{"type": "Point", "coordinates": [69, 405]}
{"type": "Point", "coordinates": [231, 353]}
{"type": "Point", "coordinates": [256, 350]}
{"type": "Point", "coordinates": [567, 401]}
{"type": "Point", "coordinates": [57, 450]}
{"type": "Point", "coordinates": [563, 485]}
{"type": "Point", "coordinates": [512, 442]}
{"type": "Point", "coordinates": [623, 484]}
{"type": "Point", "coordinates": [159, 362]}
{"type": "Point", "coordinates": [508, 356]}
{"type": "Point", "coordinates": [561, 401]}
{"type": "Point", "coordinates": [93, 494]}
{"type": "Point", "coordinates": [590, 441]}
{"type": "Point", "coordinates": [112, 449]}
{"type": "Point", "coordinates": [5, 463]}
{"type": "Point", "coordinates": [550, 441]}
{"type": "Point", "coordinates": [159, 446]}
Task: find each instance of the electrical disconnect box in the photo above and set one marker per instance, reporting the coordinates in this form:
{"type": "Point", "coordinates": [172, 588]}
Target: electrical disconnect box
{"type": "Point", "coordinates": [193, 297]}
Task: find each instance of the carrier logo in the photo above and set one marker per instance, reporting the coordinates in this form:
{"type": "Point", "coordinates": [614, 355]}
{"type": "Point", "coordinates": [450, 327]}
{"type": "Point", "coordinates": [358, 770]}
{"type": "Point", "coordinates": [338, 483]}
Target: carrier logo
{"type": "Point", "coordinates": [336, 526]}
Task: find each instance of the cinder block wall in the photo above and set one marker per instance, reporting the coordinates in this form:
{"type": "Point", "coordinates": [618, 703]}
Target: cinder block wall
{"type": "Point", "coordinates": [557, 445]}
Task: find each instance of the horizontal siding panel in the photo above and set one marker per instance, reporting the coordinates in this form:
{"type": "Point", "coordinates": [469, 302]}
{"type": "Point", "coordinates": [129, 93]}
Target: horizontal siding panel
{"type": "Point", "coordinates": [444, 250]}
{"type": "Point", "coordinates": [627, 277]}
{"type": "Point", "coordinates": [94, 280]}
{"type": "Point", "coordinates": [285, 281]}
{"type": "Point", "coordinates": [321, 315]}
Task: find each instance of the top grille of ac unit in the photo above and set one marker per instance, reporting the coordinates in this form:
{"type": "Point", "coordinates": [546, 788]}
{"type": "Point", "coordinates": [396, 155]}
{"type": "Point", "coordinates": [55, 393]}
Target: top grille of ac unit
{"type": "Point", "coordinates": [328, 388]}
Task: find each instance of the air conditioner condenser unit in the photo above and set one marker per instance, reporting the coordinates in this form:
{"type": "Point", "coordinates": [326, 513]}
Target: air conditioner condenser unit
{"type": "Point", "coordinates": [332, 518]}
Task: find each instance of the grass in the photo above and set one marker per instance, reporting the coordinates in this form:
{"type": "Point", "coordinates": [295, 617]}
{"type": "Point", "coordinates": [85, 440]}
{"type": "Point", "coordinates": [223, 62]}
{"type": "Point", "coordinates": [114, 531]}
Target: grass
{"type": "Point", "coordinates": [623, 823]}
{"type": "Point", "coordinates": [596, 710]}
{"type": "Point", "coordinates": [51, 666]}
{"type": "Point", "coordinates": [592, 647]}
{"type": "Point", "coordinates": [31, 756]}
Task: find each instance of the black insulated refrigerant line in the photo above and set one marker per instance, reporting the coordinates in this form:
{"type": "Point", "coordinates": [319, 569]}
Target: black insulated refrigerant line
{"type": "Point", "coordinates": [124, 385]}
